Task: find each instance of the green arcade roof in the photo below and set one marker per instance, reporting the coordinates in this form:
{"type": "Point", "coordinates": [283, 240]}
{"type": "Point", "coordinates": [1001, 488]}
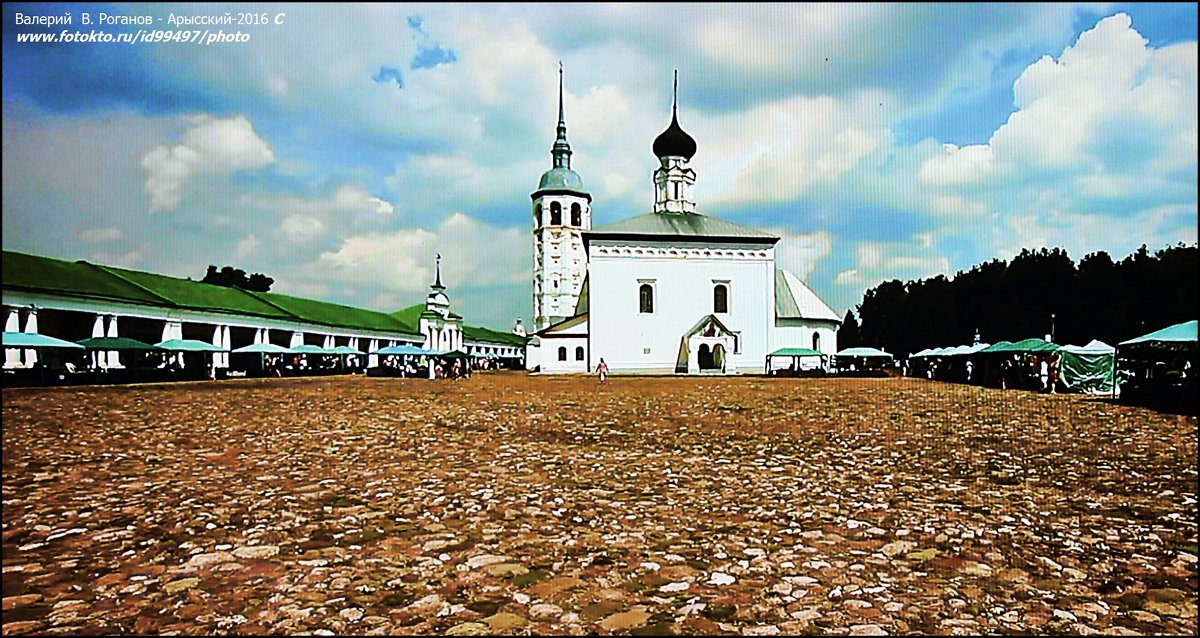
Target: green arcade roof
{"type": "Point", "coordinates": [81, 279]}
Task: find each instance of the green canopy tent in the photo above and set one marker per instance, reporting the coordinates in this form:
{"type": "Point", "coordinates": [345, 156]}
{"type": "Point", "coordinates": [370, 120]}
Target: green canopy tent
{"type": "Point", "coordinates": [343, 352]}
{"type": "Point", "coordinates": [117, 343]}
{"type": "Point", "coordinates": [307, 349]}
{"type": "Point", "coordinates": [1160, 367]}
{"type": "Point", "coordinates": [861, 359]}
{"type": "Point", "coordinates": [262, 350]}
{"type": "Point", "coordinates": [1023, 346]}
{"type": "Point", "coordinates": [184, 346]}
{"type": "Point", "coordinates": [114, 344]}
{"type": "Point", "coordinates": [188, 345]}
{"type": "Point", "coordinates": [796, 354]}
{"type": "Point", "coordinates": [1180, 333]}
{"type": "Point", "coordinates": [1089, 369]}
{"type": "Point", "coordinates": [35, 341]}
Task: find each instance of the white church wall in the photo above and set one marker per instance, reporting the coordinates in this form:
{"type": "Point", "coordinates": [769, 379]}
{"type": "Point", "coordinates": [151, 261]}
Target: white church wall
{"type": "Point", "coordinates": [570, 348]}
{"type": "Point", "coordinates": [683, 294]}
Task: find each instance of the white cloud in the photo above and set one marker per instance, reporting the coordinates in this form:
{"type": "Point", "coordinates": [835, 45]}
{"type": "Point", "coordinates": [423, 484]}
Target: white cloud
{"type": "Point", "coordinates": [102, 235]}
{"type": "Point", "coordinates": [800, 253]}
{"type": "Point", "coordinates": [967, 165]}
{"type": "Point", "coordinates": [211, 145]}
{"type": "Point", "coordinates": [302, 228]}
{"type": "Point", "coordinates": [131, 259]}
{"type": "Point", "coordinates": [876, 262]}
{"type": "Point", "coordinates": [475, 255]}
{"type": "Point", "coordinates": [247, 246]}
{"type": "Point", "coordinates": [347, 200]}
{"type": "Point", "coordinates": [1108, 104]}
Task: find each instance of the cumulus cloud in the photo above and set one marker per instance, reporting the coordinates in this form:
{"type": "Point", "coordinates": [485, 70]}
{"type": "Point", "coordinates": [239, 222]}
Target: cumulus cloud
{"type": "Point", "coordinates": [102, 235]}
{"type": "Point", "coordinates": [800, 253]}
{"type": "Point", "coordinates": [129, 259]}
{"type": "Point", "coordinates": [876, 262]}
{"type": "Point", "coordinates": [211, 145]}
{"type": "Point", "coordinates": [1109, 104]}
{"type": "Point", "coordinates": [777, 151]}
{"type": "Point", "coordinates": [246, 246]}
{"type": "Point", "coordinates": [474, 255]}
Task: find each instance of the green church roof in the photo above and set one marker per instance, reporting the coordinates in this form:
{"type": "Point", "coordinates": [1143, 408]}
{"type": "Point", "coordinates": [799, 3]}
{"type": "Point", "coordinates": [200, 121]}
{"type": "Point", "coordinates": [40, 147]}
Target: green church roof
{"type": "Point", "coordinates": [681, 225]}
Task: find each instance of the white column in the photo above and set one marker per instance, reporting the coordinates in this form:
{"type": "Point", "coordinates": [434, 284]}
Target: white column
{"type": "Point", "coordinates": [328, 342]}
{"type": "Point", "coordinates": [297, 339]}
{"type": "Point", "coordinates": [218, 340]}
{"type": "Point", "coordinates": [114, 357]}
{"type": "Point", "coordinates": [372, 358]}
{"type": "Point", "coordinates": [226, 342]}
{"type": "Point", "coordinates": [99, 357]}
{"type": "Point", "coordinates": [31, 327]}
{"type": "Point", "coordinates": [258, 336]}
{"type": "Point", "coordinates": [12, 323]}
{"type": "Point", "coordinates": [174, 330]}
{"type": "Point", "coordinates": [693, 364]}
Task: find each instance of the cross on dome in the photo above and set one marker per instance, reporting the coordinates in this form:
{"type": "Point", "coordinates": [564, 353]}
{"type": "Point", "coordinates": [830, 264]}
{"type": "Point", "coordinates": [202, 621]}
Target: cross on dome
{"type": "Point", "coordinates": [675, 142]}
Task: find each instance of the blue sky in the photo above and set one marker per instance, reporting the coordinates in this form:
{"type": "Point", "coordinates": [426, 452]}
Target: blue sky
{"type": "Point", "coordinates": [339, 150]}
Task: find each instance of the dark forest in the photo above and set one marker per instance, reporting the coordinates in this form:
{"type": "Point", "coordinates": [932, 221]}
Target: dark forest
{"type": "Point", "coordinates": [1038, 293]}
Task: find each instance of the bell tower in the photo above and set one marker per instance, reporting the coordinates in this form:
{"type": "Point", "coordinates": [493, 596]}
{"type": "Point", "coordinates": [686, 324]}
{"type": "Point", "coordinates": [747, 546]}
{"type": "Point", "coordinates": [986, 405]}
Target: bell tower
{"type": "Point", "coordinates": [562, 210]}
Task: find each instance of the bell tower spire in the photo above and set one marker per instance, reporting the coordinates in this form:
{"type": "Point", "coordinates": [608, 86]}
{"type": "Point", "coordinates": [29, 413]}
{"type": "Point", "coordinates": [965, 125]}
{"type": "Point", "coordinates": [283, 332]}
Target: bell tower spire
{"type": "Point", "coordinates": [562, 148]}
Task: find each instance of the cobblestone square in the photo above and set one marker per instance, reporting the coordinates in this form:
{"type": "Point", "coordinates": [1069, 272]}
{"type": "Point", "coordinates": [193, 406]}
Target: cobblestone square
{"type": "Point", "coordinates": [517, 504]}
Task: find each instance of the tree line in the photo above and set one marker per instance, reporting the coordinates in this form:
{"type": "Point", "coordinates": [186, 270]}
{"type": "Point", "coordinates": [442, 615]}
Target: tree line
{"type": "Point", "coordinates": [1040, 292]}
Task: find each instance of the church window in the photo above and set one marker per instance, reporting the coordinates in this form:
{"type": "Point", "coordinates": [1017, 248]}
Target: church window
{"type": "Point", "coordinates": [646, 298]}
{"type": "Point", "coordinates": [816, 342]}
{"type": "Point", "coordinates": [555, 214]}
{"type": "Point", "coordinates": [537, 214]}
{"type": "Point", "coordinates": [579, 353]}
{"type": "Point", "coordinates": [576, 215]}
{"type": "Point", "coordinates": [675, 188]}
{"type": "Point", "coordinates": [720, 298]}
{"type": "Point", "coordinates": [562, 353]}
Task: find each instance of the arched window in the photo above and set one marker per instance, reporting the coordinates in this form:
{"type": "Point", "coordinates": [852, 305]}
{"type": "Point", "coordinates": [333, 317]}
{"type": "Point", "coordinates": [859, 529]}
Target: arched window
{"type": "Point", "coordinates": [720, 298]}
{"type": "Point", "coordinates": [646, 298]}
{"type": "Point", "coordinates": [555, 214]}
{"type": "Point", "coordinates": [576, 215]}
{"type": "Point", "coordinates": [579, 353]}
{"type": "Point", "coordinates": [537, 214]}
{"type": "Point", "coordinates": [562, 353]}
{"type": "Point", "coordinates": [816, 342]}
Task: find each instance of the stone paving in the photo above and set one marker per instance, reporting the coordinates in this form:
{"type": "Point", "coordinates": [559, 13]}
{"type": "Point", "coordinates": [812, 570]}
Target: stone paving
{"type": "Point", "coordinates": [515, 504]}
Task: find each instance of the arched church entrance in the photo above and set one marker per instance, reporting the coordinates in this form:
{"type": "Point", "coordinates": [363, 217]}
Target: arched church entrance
{"type": "Point", "coordinates": [718, 357]}
{"type": "Point", "coordinates": [706, 357]}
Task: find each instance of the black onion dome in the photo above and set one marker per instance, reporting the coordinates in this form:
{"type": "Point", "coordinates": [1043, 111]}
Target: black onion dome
{"type": "Point", "coordinates": [674, 142]}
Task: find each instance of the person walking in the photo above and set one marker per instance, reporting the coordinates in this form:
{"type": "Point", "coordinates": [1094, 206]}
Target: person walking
{"type": "Point", "coordinates": [602, 370]}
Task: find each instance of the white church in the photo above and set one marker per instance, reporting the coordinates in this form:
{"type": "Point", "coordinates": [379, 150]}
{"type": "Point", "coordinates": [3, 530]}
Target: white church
{"type": "Point", "coordinates": [670, 291]}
